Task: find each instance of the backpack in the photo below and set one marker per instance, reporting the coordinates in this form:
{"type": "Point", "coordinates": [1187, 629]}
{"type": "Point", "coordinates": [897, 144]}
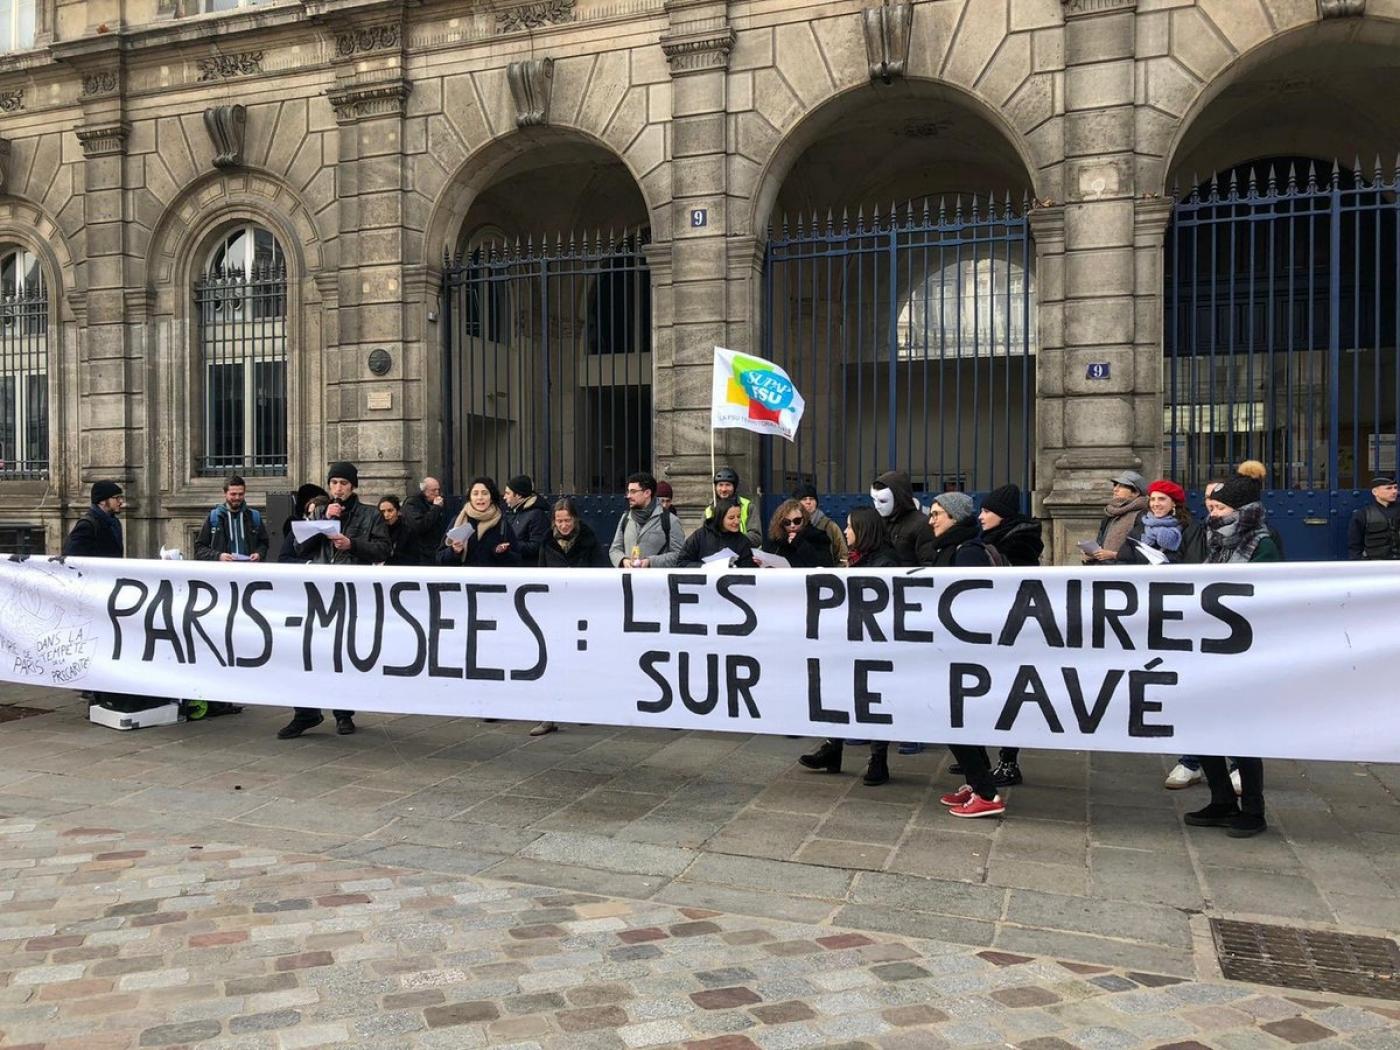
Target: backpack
{"type": "Point", "coordinates": [994, 556]}
{"type": "Point", "coordinates": [665, 527]}
{"type": "Point", "coordinates": [254, 516]}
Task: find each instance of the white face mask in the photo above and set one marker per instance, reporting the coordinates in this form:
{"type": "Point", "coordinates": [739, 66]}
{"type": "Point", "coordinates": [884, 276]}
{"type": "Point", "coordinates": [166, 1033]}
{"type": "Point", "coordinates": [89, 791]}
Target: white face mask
{"type": "Point", "coordinates": [884, 501]}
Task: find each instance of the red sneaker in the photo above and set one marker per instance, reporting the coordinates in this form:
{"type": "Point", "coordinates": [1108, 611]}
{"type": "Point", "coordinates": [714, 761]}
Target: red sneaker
{"type": "Point", "coordinates": [977, 806]}
{"type": "Point", "coordinates": [960, 797]}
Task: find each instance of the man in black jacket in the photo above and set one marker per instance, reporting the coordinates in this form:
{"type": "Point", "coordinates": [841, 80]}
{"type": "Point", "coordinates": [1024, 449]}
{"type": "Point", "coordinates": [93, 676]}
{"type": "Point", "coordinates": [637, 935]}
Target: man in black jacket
{"type": "Point", "coordinates": [98, 533]}
{"type": "Point", "coordinates": [233, 531]}
{"type": "Point", "coordinates": [893, 496]}
{"type": "Point", "coordinates": [1374, 532]}
{"type": "Point", "coordinates": [363, 539]}
{"type": "Point", "coordinates": [424, 519]}
{"type": "Point", "coordinates": [528, 518]}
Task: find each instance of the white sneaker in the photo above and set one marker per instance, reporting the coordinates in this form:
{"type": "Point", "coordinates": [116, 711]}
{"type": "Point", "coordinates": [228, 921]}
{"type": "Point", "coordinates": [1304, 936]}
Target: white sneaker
{"type": "Point", "coordinates": [543, 728]}
{"type": "Point", "coordinates": [1182, 777]}
{"type": "Point", "coordinates": [1235, 780]}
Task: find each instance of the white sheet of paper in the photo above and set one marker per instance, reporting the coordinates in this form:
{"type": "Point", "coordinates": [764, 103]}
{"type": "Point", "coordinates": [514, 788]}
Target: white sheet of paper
{"type": "Point", "coordinates": [242, 557]}
{"type": "Point", "coordinates": [1089, 546]}
{"type": "Point", "coordinates": [460, 533]}
{"type": "Point", "coordinates": [770, 561]}
{"type": "Point", "coordinates": [304, 530]}
{"type": "Point", "coordinates": [1152, 554]}
{"type": "Point", "coordinates": [171, 554]}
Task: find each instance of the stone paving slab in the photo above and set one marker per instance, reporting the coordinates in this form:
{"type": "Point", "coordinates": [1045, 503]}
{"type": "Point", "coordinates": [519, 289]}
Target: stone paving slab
{"type": "Point", "coordinates": [1092, 863]}
{"type": "Point", "coordinates": [115, 940]}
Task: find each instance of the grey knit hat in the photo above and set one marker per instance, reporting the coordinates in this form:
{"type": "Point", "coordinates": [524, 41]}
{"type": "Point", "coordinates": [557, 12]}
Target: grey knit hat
{"type": "Point", "coordinates": [959, 505]}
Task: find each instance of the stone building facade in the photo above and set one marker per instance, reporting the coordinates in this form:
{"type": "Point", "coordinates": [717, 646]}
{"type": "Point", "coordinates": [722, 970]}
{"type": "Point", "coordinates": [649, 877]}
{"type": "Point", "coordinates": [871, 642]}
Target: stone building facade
{"type": "Point", "coordinates": [241, 226]}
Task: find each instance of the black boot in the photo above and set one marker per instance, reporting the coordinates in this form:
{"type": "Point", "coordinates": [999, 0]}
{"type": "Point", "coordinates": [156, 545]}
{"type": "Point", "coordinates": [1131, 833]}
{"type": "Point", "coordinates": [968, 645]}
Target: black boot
{"type": "Point", "coordinates": [878, 772]}
{"type": "Point", "coordinates": [1215, 815]}
{"type": "Point", "coordinates": [298, 725]}
{"type": "Point", "coordinates": [825, 759]}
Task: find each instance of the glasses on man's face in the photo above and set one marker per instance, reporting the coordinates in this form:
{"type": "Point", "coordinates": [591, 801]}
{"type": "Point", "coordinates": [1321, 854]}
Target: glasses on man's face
{"type": "Point", "coordinates": [632, 490]}
{"type": "Point", "coordinates": [792, 521]}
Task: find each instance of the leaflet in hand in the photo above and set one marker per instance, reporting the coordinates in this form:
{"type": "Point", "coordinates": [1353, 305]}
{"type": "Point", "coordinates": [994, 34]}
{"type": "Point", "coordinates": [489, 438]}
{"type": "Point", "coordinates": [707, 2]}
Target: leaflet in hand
{"type": "Point", "coordinates": [765, 560]}
{"type": "Point", "coordinates": [1152, 554]}
{"type": "Point", "coordinates": [302, 531]}
{"type": "Point", "coordinates": [460, 533]}
{"type": "Point", "coordinates": [1089, 546]}
{"type": "Point", "coordinates": [719, 561]}
{"type": "Point", "coordinates": [242, 557]}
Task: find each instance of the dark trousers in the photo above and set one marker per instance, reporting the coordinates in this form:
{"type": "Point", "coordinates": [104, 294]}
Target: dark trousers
{"type": "Point", "coordinates": [309, 713]}
{"type": "Point", "coordinates": [976, 767]}
{"type": "Point", "coordinates": [1222, 792]}
{"type": "Point", "coordinates": [877, 747]}
{"type": "Point", "coordinates": [1009, 755]}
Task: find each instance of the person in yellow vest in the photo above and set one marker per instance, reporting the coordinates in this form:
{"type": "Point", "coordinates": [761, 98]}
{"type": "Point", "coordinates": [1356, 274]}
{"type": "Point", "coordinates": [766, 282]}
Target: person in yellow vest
{"type": "Point", "coordinates": [727, 488]}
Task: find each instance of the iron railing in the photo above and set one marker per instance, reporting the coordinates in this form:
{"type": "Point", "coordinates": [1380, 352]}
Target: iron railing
{"type": "Point", "coordinates": [911, 336]}
{"type": "Point", "coordinates": [24, 382]}
{"type": "Point", "coordinates": [1282, 315]}
{"type": "Point", "coordinates": [547, 366]}
{"type": "Point", "coordinates": [242, 334]}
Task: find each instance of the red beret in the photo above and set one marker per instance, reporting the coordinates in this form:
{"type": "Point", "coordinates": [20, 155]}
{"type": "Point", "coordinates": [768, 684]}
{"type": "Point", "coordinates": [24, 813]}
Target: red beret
{"type": "Point", "coordinates": [1170, 489]}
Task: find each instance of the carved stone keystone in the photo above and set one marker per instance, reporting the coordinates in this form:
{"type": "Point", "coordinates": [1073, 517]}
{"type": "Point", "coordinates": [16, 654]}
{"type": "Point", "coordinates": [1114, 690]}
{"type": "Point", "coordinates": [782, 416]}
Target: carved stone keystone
{"type": "Point", "coordinates": [887, 39]}
{"type": "Point", "coordinates": [1340, 8]}
{"type": "Point", "coordinates": [530, 86]}
{"type": "Point", "coordinates": [226, 125]}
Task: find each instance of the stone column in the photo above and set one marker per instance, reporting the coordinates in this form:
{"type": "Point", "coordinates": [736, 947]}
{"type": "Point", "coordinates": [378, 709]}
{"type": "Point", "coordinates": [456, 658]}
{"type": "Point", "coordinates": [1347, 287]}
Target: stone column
{"type": "Point", "coordinates": [1089, 385]}
{"type": "Point", "coordinates": [111, 405]}
{"type": "Point", "coordinates": [697, 45]}
{"type": "Point", "coordinates": [367, 385]}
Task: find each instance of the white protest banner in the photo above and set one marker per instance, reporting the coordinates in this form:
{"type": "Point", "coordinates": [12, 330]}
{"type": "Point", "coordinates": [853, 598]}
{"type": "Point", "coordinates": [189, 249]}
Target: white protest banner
{"type": "Point", "coordinates": [753, 394]}
{"type": "Point", "coordinates": [1268, 660]}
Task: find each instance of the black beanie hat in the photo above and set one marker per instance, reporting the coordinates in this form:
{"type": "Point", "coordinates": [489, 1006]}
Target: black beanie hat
{"type": "Point", "coordinates": [344, 470]}
{"type": "Point", "coordinates": [1237, 492]}
{"type": "Point", "coordinates": [1004, 502]}
{"type": "Point", "coordinates": [105, 490]}
{"type": "Point", "coordinates": [808, 491]}
{"type": "Point", "coordinates": [522, 486]}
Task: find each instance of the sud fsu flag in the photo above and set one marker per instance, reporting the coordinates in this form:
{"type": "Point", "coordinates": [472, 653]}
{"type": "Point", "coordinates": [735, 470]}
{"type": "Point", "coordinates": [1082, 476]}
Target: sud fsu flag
{"type": "Point", "coordinates": [754, 394]}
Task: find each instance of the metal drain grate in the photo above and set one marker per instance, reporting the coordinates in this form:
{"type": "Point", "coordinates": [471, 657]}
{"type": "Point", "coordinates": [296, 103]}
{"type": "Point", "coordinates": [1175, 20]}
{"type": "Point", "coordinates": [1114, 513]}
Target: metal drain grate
{"type": "Point", "coordinates": [12, 712]}
{"type": "Point", "coordinates": [1308, 960]}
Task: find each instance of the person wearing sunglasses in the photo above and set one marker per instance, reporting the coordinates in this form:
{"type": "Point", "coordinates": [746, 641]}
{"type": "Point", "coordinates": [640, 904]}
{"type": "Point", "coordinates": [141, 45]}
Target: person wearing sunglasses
{"type": "Point", "coordinates": [792, 535]}
{"type": "Point", "coordinates": [722, 532]}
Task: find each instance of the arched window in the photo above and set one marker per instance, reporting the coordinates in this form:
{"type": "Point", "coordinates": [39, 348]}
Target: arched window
{"type": "Point", "coordinates": [241, 312]}
{"type": "Point", "coordinates": [24, 366]}
{"type": "Point", "coordinates": [969, 308]}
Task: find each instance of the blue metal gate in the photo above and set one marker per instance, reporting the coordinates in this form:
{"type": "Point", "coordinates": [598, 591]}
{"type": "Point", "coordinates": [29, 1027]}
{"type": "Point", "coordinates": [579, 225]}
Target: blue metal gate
{"type": "Point", "coordinates": [547, 367]}
{"type": "Point", "coordinates": [911, 336]}
{"type": "Point", "coordinates": [1280, 340]}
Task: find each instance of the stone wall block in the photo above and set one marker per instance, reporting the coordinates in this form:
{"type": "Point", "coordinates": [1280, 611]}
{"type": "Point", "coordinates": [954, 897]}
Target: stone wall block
{"type": "Point", "coordinates": [1099, 85]}
{"type": "Point", "coordinates": [699, 176]}
{"type": "Point", "coordinates": [142, 138]}
{"type": "Point", "coordinates": [444, 144]}
{"type": "Point", "coordinates": [649, 65]}
{"type": "Point", "coordinates": [462, 108]}
{"type": "Point", "coordinates": [980, 34]}
{"type": "Point", "coordinates": [756, 137]}
{"type": "Point", "coordinates": [571, 77]}
{"type": "Point", "coordinates": [1198, 45]}
{"type": "Point", "coordinates": [1169, 87]}
{"type": "Point", "coordinates": [605, 91]}
{"type": "Point", "coordinates": [306, 164]}
{"type": "Point", "coordinates": [931, 35]}
{"type": "Point", "coordinates": [415, 136]}
{"type": "Point", "coordinates": [1008, 70]}
{"type": "Point", "coordinates": [1050, 325]}
{"type": "Point", "coordinates": [174, 146]}
{"type": "Point", "coordinates": [260, 127]}
{"type": "Point", "coordinates": [1047, 50]}
{"type": "Point", "coordinates": [1153, 31]}
{"type": "Point", "coordinates": [656, 188]}
{"type": "Point", "coordinates": [288, 137]}
{"type": "Point", "coordinates": [41, 158]}
{"type": "Point", "coordinates": [658, 102]}
{"type": "Point", "coordinates": [646, 157]}
{"type": "Point", "coordinates": [697, 136]}
{"type": "Point", "coordinates": [690, 388]}
{"type": "Point", "coordinates": [1099, 322]}
{"type": "Point", "coordinates": [801, 64]}
{"type": "Point", "coordinates": [1121, 376]}
{"type": "Point", "coordinates": [1100, 131]}
{"type": "Point", "coordinates": [774, 100]}
{"type": "Point", "coordinates": [1101, 39]}
{"type": "Point", "coordinates": [1046, 144]}
{"type": "Point", "coordinates": [1105, 224]}
{"type": "Point", "coordinates": [495, 103]}
{"type": "Point", "coordinates": [1099, 178]}
{"type": "Point", "coordinates": [753, 49]}
{"type": "Point", "coordinates": [1099, 422]}
{"type": "Point", "coordinates": [628, 122]}
{"type": "Point", "coordinates": [697, 95]}
{"type": "Point", "coordinates": [1244, 23]}
{"type": "Point", "coordinates": [1033, 103]}
{"type": "Point", "coordinates": [1035, 14]}
{"type": "Point", "coordinates": [842, 45]}
{"type": "Point", "coordinates": [425, 98]}
{"type": "Point", "coordinates": [1092, 274]}
{"type": "Point", "coordinates": [320, 197]}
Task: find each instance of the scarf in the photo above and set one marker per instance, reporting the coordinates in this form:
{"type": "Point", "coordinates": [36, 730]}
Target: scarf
{"type": "Point", "coordinates": [1162, 533]}
{"type": "Point", "coordinates": [1235, 537]}
{"type": "Point", "coordinates": [486, 520]}
{"type": "Point", "coordinates": [855, 556]}
{"type": "Point", "coordinates": [1122, 515]}
{"type": "Point", "coordinates": [640, 515]}
{"type": "Point", "coordinates": [237, 535]}
{"type": "Point", "coordinates": [565, 542]}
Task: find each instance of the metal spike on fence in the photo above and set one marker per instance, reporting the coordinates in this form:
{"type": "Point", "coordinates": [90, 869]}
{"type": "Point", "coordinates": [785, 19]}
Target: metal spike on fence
{"type": "Point", "coordinates": [1356, 167]}
{"type": "Point", "coordinates": [1292, 187]}
{"type": "Point", "coordinates": [860, 218]}
{"type": "Point", "coordinates": [845, 220]}
{"type": "Point", "coordinates": [957, 207]}
{"type": "Point", "coordinates": [1380, 172]}
{"type": "Point", "coordinates": [1252, 186]}
{"type": "Point", "coordinates": [925, 218]}
{"type": "Point", "coordinates": [1234, 187]}
{"type": "Point", "coordinates": [942, 209]}
{"type": "Point", "coordinates": [1213, 194]}
{"type": "Point", "coordinates": [830, 223]}
{"type": "Point", "coordinates": [1272, 188]}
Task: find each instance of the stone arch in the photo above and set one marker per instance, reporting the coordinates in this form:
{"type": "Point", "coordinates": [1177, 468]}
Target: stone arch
{"type": "Point", "coordinates": [1236, 88]}
{"type": "Point", "coordinates": [218, 200]}
{"type": "Point", "coordinates": [481, 169]}
{"type": "Point", "coordinates": [1007, 156]}
{"type": "Point", "coordinates": [22, 222]}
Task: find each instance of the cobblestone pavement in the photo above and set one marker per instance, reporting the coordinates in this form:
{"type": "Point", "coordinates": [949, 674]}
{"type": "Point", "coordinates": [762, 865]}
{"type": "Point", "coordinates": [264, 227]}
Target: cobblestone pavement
{"type": "Point", "coordinates": [440, 882]}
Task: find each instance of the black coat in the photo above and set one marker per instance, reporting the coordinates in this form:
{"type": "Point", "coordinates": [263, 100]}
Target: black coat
{"type": "Point", "coordinates": [961, 546]}
{"type": "Point", "coordinates": [480, 551]}
{"type": "Point", "coordinates": [530, 525]}
{"type": "Point", "coordinates": [709, 540]}
{"type": "Point", "coordinates": [1017, 540]}
{"type": "Point", "coordinates": [96, 534]}
{"type": "Point", "coordinates": [425, 523]}
{"type": "Point", "coordinates": [882, 557]}
{"type": "Point", "coordinates": [402, 548]}
{"type": "Point", "coordinates": [214, 537]}
{"type": "Point", "coordinates": [810, 549]}
{"type": "Point", "coordinates": [365, 528]}
{"type": "Point", "coordinates": [583, 553]}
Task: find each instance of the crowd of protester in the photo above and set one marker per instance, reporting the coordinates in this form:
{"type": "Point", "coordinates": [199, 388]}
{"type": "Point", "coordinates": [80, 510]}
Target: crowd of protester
{"type": "Point", "coordinates": [1143, 524]}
